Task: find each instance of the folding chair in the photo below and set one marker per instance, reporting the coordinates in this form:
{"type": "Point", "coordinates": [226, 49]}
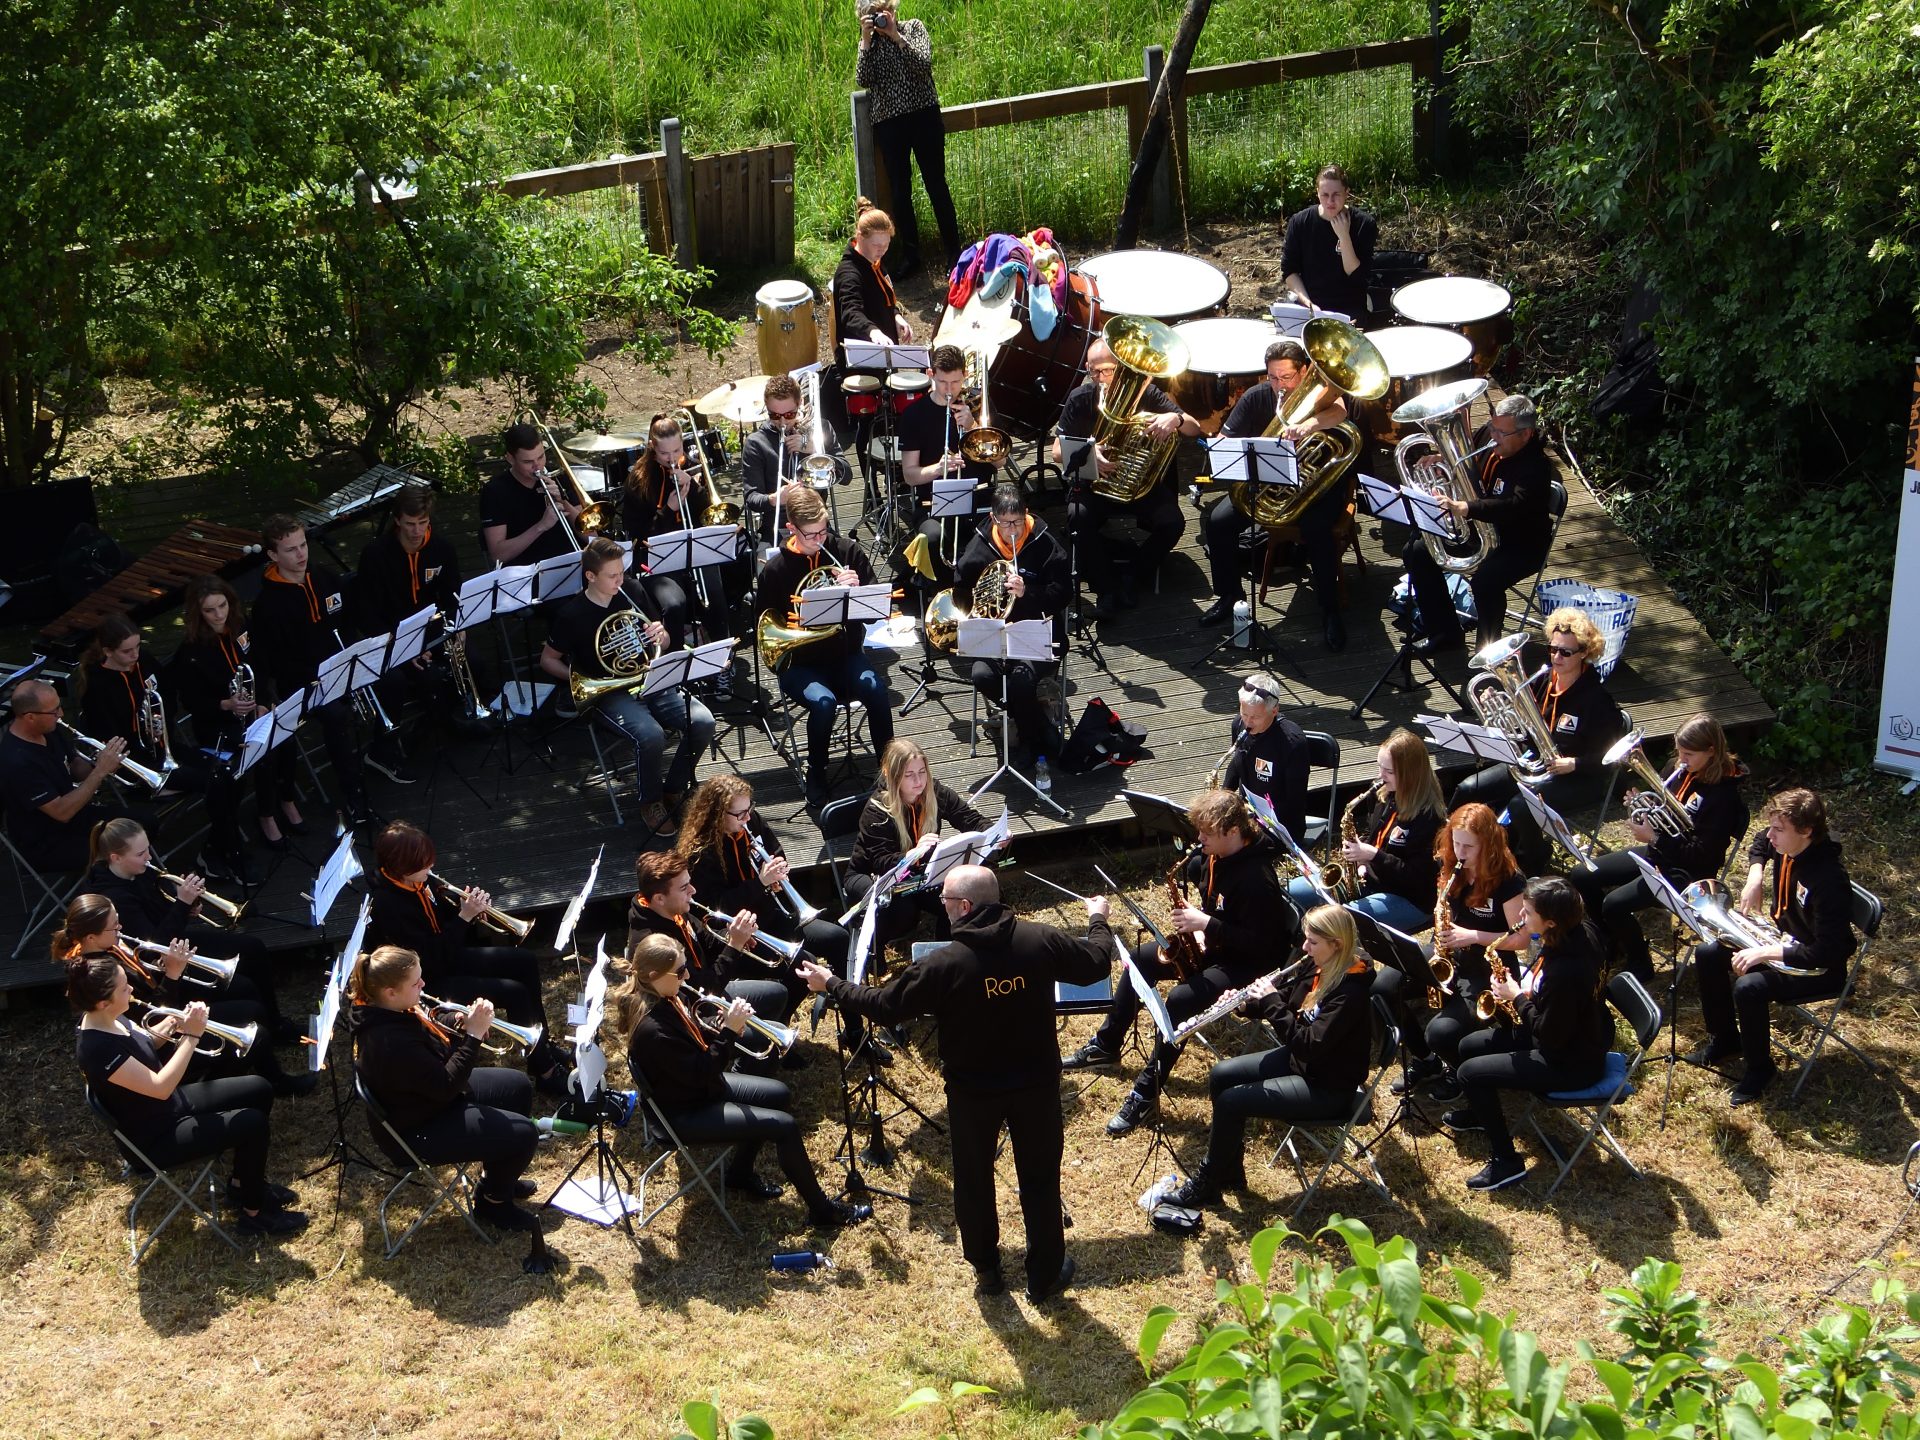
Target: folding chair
{"type": "Point", "coordinates": [135, 1164]}
{"type": "Point", "coordinates": [418, 1172]}
{"type": "Point", "coordinates": [41, 898]}
{"type": "Point", "coordinates": [1867, 913]}
{"type": "Point", "coordinates": [1344, 1149]}
{"type": "Point", "coordinates": [656, 1129]}
{"type": "Point", "coordinates": [608, 773]}
{"type": "Point", "coordinates": [1557, 508]}
{"type": "Point", "coordinates": [837, 820]}
{"type": "Point", "coordinates": [1323, 753]}
{"type": "Point", "coordinates": [1642, 1013]}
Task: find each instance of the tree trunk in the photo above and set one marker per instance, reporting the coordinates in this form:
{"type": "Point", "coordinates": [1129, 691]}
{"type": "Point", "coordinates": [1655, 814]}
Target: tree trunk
{"type": "Point", "coordinates": [1153, 140]}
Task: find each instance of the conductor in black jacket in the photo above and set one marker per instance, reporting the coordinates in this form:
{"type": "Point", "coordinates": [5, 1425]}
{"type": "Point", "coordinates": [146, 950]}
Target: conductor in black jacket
{"type": "Point", "coordinates": [1041, 585]}
{"type": "Point", "coordinates": [991, 991]}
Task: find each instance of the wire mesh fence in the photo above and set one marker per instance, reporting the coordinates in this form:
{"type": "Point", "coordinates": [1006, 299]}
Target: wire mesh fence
{"type": "Point", "coordinates": [1069, 173]}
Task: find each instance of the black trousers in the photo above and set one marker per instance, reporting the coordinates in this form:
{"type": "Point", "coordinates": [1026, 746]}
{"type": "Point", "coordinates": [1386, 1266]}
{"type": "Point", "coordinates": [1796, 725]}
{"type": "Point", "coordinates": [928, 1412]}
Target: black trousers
{"type": "Point", "coordinates": [754, 1110]}
{"type": "Point", "coordinates": [1573, 796]}
{"type": "Point", "coordinates": [1453, 1023]}
{"type": "Point", "coordinates": [1615, 895]}
{"type": "Point", "coordinates": [1187, 998]}
{"type": "Point", "coordinates": [229, 1114]}
{"type": "Point", "coordinates": [920, 135]}
{"type": "Point", "coordinates": [1159, 516]}
{"type": "Point", "coordinates": [1262, 1085]}
{"type": "Point", "coordinates": [1031, 1116]}
{"type": "Point", "coordinates": [1504, 1058]}
{"type": "Point", "coordinates": [254, 979]}
{"type": "Point", "coordinates": [509, 978]}
{"type": "Point", "coordinates": [220, 794]}
{"type": "Point", "coordinates": [336, 733]}
{"type": "Point", "coordinates": [1224, 526]}
{"type": "Point", "coordinates": [1739, 1007]}
{"type": "Point", "coordinates": [489, 1126]}
{"type": "Point", "coordinates": [1033, 729]}
{"type": "Point", "coordinates": [1506, 567]}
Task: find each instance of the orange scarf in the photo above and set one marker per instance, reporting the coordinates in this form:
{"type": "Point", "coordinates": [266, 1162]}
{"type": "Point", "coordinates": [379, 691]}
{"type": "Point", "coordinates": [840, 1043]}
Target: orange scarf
{"type": "Point", "coordinates": [419, 893]}
{"type": "Point", "coordinates": [305, 584]}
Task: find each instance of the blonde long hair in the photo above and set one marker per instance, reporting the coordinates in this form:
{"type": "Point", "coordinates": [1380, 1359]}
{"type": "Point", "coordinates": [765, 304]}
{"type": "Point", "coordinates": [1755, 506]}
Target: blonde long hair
{"type": "Point", "coordinates": [647, 958]}
{"type": "Point", "coordinates": [894, 761]}
{"type": "Point", "coordinates": [1332, 922]}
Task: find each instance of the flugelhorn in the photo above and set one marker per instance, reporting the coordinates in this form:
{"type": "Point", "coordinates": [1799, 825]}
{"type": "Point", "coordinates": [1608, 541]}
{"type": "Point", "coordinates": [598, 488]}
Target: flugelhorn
{"type": "Point", "coordinates": [709, 1010]}
{"type": "Point", "coordinates": [1656, 807]}
{"type": "Point", "coordinates": [719, 921]}
{"type": "Point", "coordinates": [222, 971]}
{"type": "Point", "coordinates": [240, 1037]}
{"type": "Point", "coordinates": [228, 912]}
{"type": "Point", "coordinates": [790, 899]}
{"type": "Point", "coordinates": [527, 1037]}
{"type": "Point", "coordinates": [492, 915]}
{"type": "Point", "coordinates": [90, 749]}
{"type": "Point", "coordinates": [151, 722]}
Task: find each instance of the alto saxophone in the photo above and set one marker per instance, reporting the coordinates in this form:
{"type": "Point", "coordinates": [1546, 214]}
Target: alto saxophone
{"type": "Point", "coordinates": [1441, 965]}
{"type": "Point", "coordinates": [1342, 883]}
{"type": "Point", "coordinates": [1183, 950]}
{"type": "Point", "coordinates": [1485, 1008]}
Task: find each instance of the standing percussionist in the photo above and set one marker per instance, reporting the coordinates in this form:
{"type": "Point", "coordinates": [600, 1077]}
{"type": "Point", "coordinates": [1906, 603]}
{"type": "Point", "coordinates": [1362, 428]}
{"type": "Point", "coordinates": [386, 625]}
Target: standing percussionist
{"type": "Point", "coordinates": [1287, 366]}
{"type": "Point", "coordinates": [1326, 253]}
{"type": "Point", "coordinates": [1812, 907]}
{"type": "Point", "coordinates": [1039, 579]}
{"type": "Point", "coordinates": [865, 307]}
{"type": "Point", "coordinates": [1515, 484]}
{"type": "Point", "coordinates": [991, 988]}
{"type": "Point", "coordinates": [522, 509]}
{"type": "Point", "coordinates": [933, 430]}
{"type": "Point", "coordinates": [822, 674]}
{"type": "Point", "coordinates": [1240, 920]}
{"type": "Point", "coordinates": [1157, 512]}
{"type": "Point", "coordinates": [1269, 754]}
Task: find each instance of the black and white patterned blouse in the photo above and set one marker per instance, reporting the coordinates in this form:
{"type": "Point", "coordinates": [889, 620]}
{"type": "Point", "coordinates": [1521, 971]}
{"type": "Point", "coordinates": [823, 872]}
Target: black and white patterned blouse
{"type": "Point", "coordinates": [899, 78]}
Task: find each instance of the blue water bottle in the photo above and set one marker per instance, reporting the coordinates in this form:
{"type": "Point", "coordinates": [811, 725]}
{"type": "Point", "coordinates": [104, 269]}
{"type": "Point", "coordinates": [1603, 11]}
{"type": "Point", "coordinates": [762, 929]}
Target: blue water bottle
{"type": "Point", "coordinates": [800, 1261]}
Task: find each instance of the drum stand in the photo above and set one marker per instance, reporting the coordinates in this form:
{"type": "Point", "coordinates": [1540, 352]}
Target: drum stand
{"type": "Point", "coordinates": [1079, 626]}
{"type": "Point", "coordinates": [927, 684]}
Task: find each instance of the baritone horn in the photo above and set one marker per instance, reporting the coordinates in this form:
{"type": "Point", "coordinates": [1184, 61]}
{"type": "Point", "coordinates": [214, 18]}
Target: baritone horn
{"type": "Point", "coordinates": [227, 912]}
{"type": "Point", "coordinates": [1655, 807]}
{"type": "Point", "coordinates": [1501, 694]}
{"type": "Point", "coordinates": [492, 915]}
{"type": "Point", "coordinates": [710, 1012]}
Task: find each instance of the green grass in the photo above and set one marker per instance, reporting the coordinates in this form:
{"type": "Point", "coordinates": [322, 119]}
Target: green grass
{"type": "Point", "coordinates": [743, 72]}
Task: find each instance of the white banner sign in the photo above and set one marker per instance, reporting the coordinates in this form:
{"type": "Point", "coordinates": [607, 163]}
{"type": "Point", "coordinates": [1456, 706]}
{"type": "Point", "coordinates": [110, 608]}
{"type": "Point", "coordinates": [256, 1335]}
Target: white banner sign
{"type": "Point", "coordinates": [1899, 748]}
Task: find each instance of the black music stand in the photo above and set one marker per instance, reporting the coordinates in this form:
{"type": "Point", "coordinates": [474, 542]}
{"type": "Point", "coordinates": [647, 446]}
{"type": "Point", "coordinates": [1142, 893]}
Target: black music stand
{"type": "Point", "coordinates": [341, 1151]}
{"type": "Point", "coordinates": [1675, 904]}
{"type": "Point", "coordinates": [1400, 951]}
{"type": "Point", "coordinates": [1005, 642]}
{"type": "Point", "coordinates": [1255, 460]}
{"type": "Point", "coordinates": [493, 596]}
{"type": "Point", "coordinates": [1417, 511]}
{"type": "Point", "coordinates": [1159, 815]}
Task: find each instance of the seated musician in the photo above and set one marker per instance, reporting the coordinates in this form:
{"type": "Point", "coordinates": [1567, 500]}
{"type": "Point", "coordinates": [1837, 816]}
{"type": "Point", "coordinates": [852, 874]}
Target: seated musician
{"type": "Point", "coordinates": [1515, 481]}
{"type": "Point", "coordinates": [725, 960]}
{"type": "Point", "coordinates": [1322, 1016]}
{"type": "Point", "coordinates": [686, 1063]}
{"type": "Point", "coordinates": [50, 792]}
{"type": "Point", "coordinates": [771, 457]}
{"type": "Point", "coordinates": [1157, 512]}
{"type": "Point", "coordinates": [1584, 721]}
{"type": "Point", "coordinates": [222, 698]}
{"type": "Point", "coordinates": [1041, 584]}
{"type": "Point", "coordinates": [822, 674]}
{"type": "Point", "coordinates": [1395, 822]}
{"type": "Point", "coordinates": [1287, 366]}
{"type": "Point", "coordinates": [667, 491]}
{"type": "Point", "coordinates": [1705, 785]}
{"type": "Point", "coordinates": [165, 911]}
{"type": "Point", "coordinates": [402, 570]}
{"type": "Point", "coordinates": [908, 814]}
{"type": "Point", "coordinates": [522, 510]}
{"type": "Point", "coordinates": [91, 928]}
{"type": "Point", "coordinates": [436, 922]}
{"type": "Point", "coordinates": [1478, 906]}
{"type": "Point", "coordinates": [864, 304]}
{"type": "Point", "coordinates": [1326, 252]}
{"type": "Point", "coordinates": [1812, 907]}
{"type": "Point", "coordinates": [1563, 1034]}
{"type": "Point", "coordinates": [574, 648]}
{"type": "Point", "coordinates": [168, 1120]}
{"type": "Point", "coordinates": [932, 429]}
{"type": "Point", "coordinates": [114, 701]}
{"type": "Point", "coordinates": [1269, 754]}
{"type": "Point", "coordinates": [1242, 919]}
{"type": "Point", "coordinates": [450, 1108]}
{"type": "Point", "coordinates": [298, 621]}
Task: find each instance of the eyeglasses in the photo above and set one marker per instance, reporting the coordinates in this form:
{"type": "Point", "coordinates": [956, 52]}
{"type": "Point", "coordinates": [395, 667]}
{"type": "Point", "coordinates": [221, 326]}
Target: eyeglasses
{"type": "Point", "coordinates": [773, 414]}
{"type": "Point", "coordinates": [812, 535]}
{"type": "Point", "coordinates": [55, 711]}
{"type": "Point", "coordinates": [741, 814]}
{"type": "Point", "coordinates": [1565, 652]}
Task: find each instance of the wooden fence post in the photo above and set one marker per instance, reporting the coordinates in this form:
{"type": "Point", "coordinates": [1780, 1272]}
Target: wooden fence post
{"type": "Point", "coordinates": [1160, 196]}
{"type": "Point", "coordinates": [868, 179]}
{"type": "Point", "coordinates": [679, 202]}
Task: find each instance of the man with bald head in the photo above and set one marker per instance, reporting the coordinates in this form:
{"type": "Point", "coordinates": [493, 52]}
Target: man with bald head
{"type": "Point", "coordinates": [47, 788]}
{"type": "Point", "coordinates": [990, 990]}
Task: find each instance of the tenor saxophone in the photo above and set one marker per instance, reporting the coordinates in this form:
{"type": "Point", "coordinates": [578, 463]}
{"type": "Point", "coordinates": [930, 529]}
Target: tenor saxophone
{"type": "Point", "coordinates": [1183, 950]}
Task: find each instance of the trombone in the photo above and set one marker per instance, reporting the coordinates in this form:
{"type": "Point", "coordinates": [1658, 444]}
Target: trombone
{"type": "Point", "coordinates": [492, 915]}
{"type": "Point", "coordinates": [596, 517]}
{"type": "Point", "coordinates": [527, 1037]}
{"type": "Point", "coordinates": [90, 748]}
{"type": "Point", "coordinates": [720, 921]}
{"type": "Point", "coordinates": [221, 970]}
{"type": "Point", "coordinates": [228, 912]}
{"type": "Point", "coordinates": [714, 510]}
{"type": "Point", "coordinates": [240, 1037]}
{"type": "Point", "coordinates": [709, 1010]}
{"type": "Point", "coordinates": [788, 898]}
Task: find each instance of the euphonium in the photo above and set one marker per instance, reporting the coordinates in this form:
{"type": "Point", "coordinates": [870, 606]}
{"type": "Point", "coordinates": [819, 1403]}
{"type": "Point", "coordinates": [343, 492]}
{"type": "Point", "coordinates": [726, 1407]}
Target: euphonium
{"type": "Point", "coordinates": [1145, 351]}
{"type": "Point", "coordinates": [90, 749]}
{"type": "Point", "coordinates": [527, 1037]}
{"type": "Point", "coordinates": [240, 1037]}
{"type": "Point", "coordinates": [1711, 905]}
{"type": "Point", "coordinates": [1503, 699]}
{"type": "Point", "coordinates": [1441, 414]}
{"type": "Point", "coordinates": [714, 510]}
{"type": "Point", "coordinates": [1340, 358]}
{"type": "Point", "coordinates": [492, 915]}
{"type": "Point", "coordinates": [791, 900]}
{"type": "Point", "coordinates": [226, 910]}
{"type": "Point", "coordinates": [1655, 807]}
{"type": "Point", "coordinates": [621, 646]}
{"type": "Point", "coordinates": [709, 1010]}
{"type": "Point", "coordinates": [777, 642]}
{"type": "Point", "coordinates": [221, 970]}
{"type": "Point", "coordinates": [984, 444]}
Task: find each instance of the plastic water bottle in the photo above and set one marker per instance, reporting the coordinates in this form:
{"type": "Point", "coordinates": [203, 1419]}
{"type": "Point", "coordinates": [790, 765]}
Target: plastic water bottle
{"type": "Point", "coordinates": [1042, 777]}
{"type": "Point", "coordinates": [798, 1262]}
{"type": "Point", "coordinates": [1242, 624]}
{"type": "Point", "coordinates": [553, 1125]}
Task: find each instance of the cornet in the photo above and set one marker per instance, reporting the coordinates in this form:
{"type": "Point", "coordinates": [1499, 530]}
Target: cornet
{"type": "Point", "coordinates": [709, 1010]}
{"type": "Point", "coordinates": [240, 1037]}
{"type": "Point", "coordinates": [152, 725]}
{"type": "Point", "coordinates": [221, 970]}
{"type": "Point", "coordinates": [789, 898]}
{"type": "Point", "coordinates": [527, 1037]}
{"type": "Point", "coordinates": [720, 921]}
{"type": "Point", "coordinates": [492, 915]}
{"type": "Point", "coordinates": [90, 748]}
{"type": "Point", "coordinates": [226, 911]}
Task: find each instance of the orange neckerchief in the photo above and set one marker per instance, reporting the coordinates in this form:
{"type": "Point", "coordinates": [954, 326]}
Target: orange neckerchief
{"type": "Point", "coordinates": [1381, 838]}
{"type": "Point", "coordinates": [135, 684]}
{"type": "Point", "coordinates": [912, 817]}
{"type": "Point", "coordinates": [1209, 894]}
{"type": "Point", "coordinates": [420, 894]}
{"type": "Point", "coordinates": [686, 1019]}
{"type": "Point", "coordinates": [434, 1027]}
{"type": "Point", "coordinates": [792, 545]}
{"type": "Point", "coordinates": [1782, 889]}
{"type": "Point", "coordinates": [413, 564]}
{"type": "Point", "coordinates": [228, 652]}
{"type": "Point", "coordinates": [1005, 549]}
{"type": "Point", "coordinates": [886, 285]}
{"type": "Point", "coordinates": [1550, 699]}
{"type": "Point", "coordinates": [741, 846]}
{"type": "Point", "coordinates": [304, 583]}
{"type": "Point", "coordinates": [1685, 787]}
{"type": "Point", "coordinates": [687, 936]}
{"type": "Point", "coordinates": [1488, 466]}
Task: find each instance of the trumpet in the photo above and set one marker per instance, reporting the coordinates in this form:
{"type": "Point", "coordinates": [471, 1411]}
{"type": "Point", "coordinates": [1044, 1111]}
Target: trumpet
{"type": "Point", "coordinates": [790, 899]}
{"type": "Point", "coordinates": [460, 670]}
{"type": "Point", "coordinates": [708, 1011]}
{"type": "Point", "coordinates": [240, 1037]}
{"type": "Point", "coordinates": [90, 749]}
{"type": "Point", "coordinates": [228, 912]}
{"type": "Point", "coordinates": [527, 1037]}
{"type": "Point", "coordinates": [241, 688]}
{"type": "Point", "coordinates": [492, 915]}
{"type": "Point", "coordinates": [221, 970]}
{"type": "Point", "coordinates": [719, 921]}
{"type": "Point", "coordinates": [366, 701]}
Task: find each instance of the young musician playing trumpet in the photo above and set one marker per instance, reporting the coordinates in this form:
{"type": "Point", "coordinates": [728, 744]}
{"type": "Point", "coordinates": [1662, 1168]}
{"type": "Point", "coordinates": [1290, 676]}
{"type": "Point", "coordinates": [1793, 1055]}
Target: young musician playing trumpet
{"type": "Point", "coordinates": [1561, 1040]}
{"type": "Point", "coordinates": [684, 1062]}
{"type": "Point", "coordinates": [1812, 907]}
{"type": "Point", "coordinates": [1041, 586]}
{"type": "Point", "coordinates": [450, 1108]}
{"type": "Point", "coordinates": [1395, 823]}
{"type": "Point", "coordinates": [50, 792]}
{"type": "Point", "coordinates": [908, 814]}
{"type": "Point", "coordinates": [171, 1121]}
{"type": "Point", "coordinates": [1322, 1018]}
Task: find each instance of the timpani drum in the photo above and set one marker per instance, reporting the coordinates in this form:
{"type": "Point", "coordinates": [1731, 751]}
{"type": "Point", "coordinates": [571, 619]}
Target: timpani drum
{"type": "Point", "coordinates": [1225, 358]}
{"type": "Point", "coordinates": [863, 395]}
{"type": "Point", "coordinates": [1418, 357]}
{"type": "Point", "coordinates": [1479, 309]}
{"type": "Point", "coordinates": [1158, 284]}
{"type": "Point", "coordinates": [788, 337]}
{"type": "Point", "coordinates": [906, 386]}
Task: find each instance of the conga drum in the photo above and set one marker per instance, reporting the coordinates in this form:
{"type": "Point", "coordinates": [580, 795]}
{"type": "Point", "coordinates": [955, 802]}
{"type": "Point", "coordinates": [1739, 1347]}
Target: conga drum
{"type": "Point", "coordinates": [906, 386]}
{"type": "Point", "coordinates": [1479, 309]}
{"type": "Point", "coordinates": [1418, 358]}
{"type": "Point", "coordinates": [1225, 358]}
{"type": "Point", "coordinates": [862, 395]}
{"type": "Point", "coordinates": [1158, 284]}
{"type": "Point", "coordinates": [788, 337]}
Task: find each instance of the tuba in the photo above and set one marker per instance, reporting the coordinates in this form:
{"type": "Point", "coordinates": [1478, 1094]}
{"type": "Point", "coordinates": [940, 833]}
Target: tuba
{"type": "Point", "coordinates": [1656, 807]}
{"type": "Point", "coordinates": [984, 444]}
{"type": "Point", "coordinates": [1441, 414]}
{"type": "Point", "coordinates": [622, 648]}
{"type": "Point", "coordinates": [1502, 696]}
{"type": "Point", "coordinates": [1340, 358]}
{"type": "Point", "coordinates": [1145, 350]}
{"type": "Point", "coordinates": [777, 642]}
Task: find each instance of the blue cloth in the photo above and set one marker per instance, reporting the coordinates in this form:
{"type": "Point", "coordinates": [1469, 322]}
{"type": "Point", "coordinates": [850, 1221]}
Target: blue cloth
{"type": "Point", "coordinates": [1602, 1089]}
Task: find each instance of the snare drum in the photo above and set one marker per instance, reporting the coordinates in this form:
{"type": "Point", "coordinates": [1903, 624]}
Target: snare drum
{"type": "Point", "coordinates": [863, 395]}
{"type": "Point", "coordinates": [1155, 283]}
{"type": "Point", "coordinates": [788, 336]}
{"type": "Point", "coordinates": [1479, 309]}
{"type": "Point", "coordinates": [1418, 358]}
{"type": "Point", "coordinates": [907, 386]}
{"type": "Point", "coordinates": [1224, 359]}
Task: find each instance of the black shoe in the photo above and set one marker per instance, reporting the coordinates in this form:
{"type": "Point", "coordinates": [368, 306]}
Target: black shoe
{"type": "Point", "coordinates": [1463, 1121]}
{"type": "Point", "coordinates": [271, 1224]}
{"type": "Point", "coordinates": [1417, 1072]}
{"type": "Point", "coordinates": [1218, 611]}
{"type": "Point", "coordinates": [1712, 1052]}
{"type": "Point", "coordinates": [836, 1214]}
{"type": "Point", "coordinates": [277, 1197]}
{"type": "Point", "coordinates": [1498, 1173]}
{"type": "Point", "coordinates": [1060, 1283]}
{"type": "Point", "coordinates": [503, 1215]}
{"type": "Point", "coordinates": [1107, 606]}
{"type": "Point", "coordinates": [1753, 1086]}
{"type": "Point", "coordinates": [553, 1079]}
{"type": "Point", "coordinates": [1447, 1090]}
{"type": "Point", "coordinates": [1335, 633]}
{"type": "Point", "coordinates": [750, 1186]}
{"type": "Point", "coordinates": [279, 846]}
{"type": "Point", "coordinates": [291, 827]}
{"type": "Point", "coordinates": [1134, 1109]}
{"type": "Point", "coordinates": [1089, 1055]}
{"type": "Point", "coordinates": [359, 812]}
{"type": "Point", "coordinates": [989, 1282]}
{"type": "Point", "coordinates": [1206, 1187]}
{"type": "Point", "coordinates": [1428, 646]}
{"type": "Point", "coordinates": [293, 1086]}
{"type": "Point", "coordinates": [817, 792]}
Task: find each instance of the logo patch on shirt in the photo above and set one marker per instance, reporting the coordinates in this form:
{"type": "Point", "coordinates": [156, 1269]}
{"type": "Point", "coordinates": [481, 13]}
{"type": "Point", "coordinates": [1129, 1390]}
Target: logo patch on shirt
{"type": "Point", "coordinates": [432, 573]}
{"type": "Point", "coordinates": [1800, 895]}
{"type": "Point", "coordinates": [1398, 835]}
{"type": "Point", "coordinates": [1263, 769]}
{"type": "Point", "coordinates": [1692, 802]}
{"type": "Point", "coordinates": [1568, 723]}
{"type": "Point", "coordinates": [335, 602]}
{"type": "Point", "coordinates": [241, 643]}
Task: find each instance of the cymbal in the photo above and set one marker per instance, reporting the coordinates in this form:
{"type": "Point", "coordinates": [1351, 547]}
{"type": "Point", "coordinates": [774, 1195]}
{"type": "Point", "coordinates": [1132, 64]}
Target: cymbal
{"type": "Point", "coordinates": [710, 403]}
{"type": "Point", "coordinates": [594, 442]}
{"type": "Point", "coordinates": [746, 407]}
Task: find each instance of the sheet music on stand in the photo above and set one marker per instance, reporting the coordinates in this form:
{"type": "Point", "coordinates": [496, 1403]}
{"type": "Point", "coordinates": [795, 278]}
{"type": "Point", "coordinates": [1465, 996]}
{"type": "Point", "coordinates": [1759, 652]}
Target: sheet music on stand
{"type": "Point", "coordinates": [570, 917]}
{"type": "Point", "coordinates": [1291, 320]}
{"type": "Point", "coordinates": [1404, 505]}
{"type": "Point", "coordinates": [513, 587]}
{"type": "Point", "coordinates": [410, 637]}
{"type": "Point", "coordinates": [351, 668]}
{"type": "Point", "coordinates": [263, 733]}
{"type": "Point", "coordinates": [321, 1029]}
{"type": "Point", "coordinates": [953, 497]}
{"type": "Point", "coordinates": [1550, 822]}
{"type": "Point", "coordinates": [872, 355]}
{"type": "Point", "coordinates": [1663, 891]}
{"type": "Point", "coordinates": [982, 639]}
{"type": "Point", "coordinates": [343, 865]}
{"type": "Point", "coordinates": [971, 847]}
{"type": "Point", "coordinates": [558, 576]}
{"type": "Point", "coordinates": [1149, 997]}
{"type": "Point", "coordinates": [473, 602]}
{"type": "Point", "coordinates": [1463, 737]}
{"type": "Point", "coordinates": [863, 937]}
{"type": "Point", "coordinates": [1255, 460]}
{"type": "Point", "coordinates": [675, 668]}
{"type": "Point", "coordinates": [585, 1015]}
{"type": "Point", "coordinates": [673, 551]}
{"type": "Point", "coordinates": [826, 605]}
{"type": "Point", "coordinates": [1268, 819]}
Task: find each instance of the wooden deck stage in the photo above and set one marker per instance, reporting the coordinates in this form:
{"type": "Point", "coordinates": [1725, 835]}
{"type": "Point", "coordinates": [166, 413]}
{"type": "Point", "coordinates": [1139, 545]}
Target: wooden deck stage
{"type": "Point", "coordinates": [529, 836]}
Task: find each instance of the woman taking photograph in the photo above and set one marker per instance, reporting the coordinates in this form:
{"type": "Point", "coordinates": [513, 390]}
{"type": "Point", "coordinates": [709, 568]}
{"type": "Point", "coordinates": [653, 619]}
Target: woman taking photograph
{"type": "Point", "coordinates": [895, 68]}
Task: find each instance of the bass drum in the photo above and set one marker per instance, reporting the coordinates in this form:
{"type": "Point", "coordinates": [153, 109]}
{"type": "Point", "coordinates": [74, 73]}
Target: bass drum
{"type": "Point", "coordinates": [1479, 309]}
{"type": "Point", "coordinates": [1225, 358]}
{"type": "Point", "coordinates": [1418, 358]}
{"type": "Point", "coordinates": [1028, 379]}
